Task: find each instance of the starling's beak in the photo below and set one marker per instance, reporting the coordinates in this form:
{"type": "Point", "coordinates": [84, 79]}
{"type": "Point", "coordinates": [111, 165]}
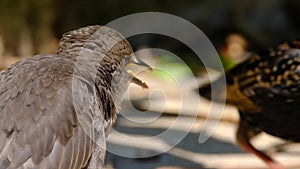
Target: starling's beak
{"type": "Point", "coordinates": [136, 62]}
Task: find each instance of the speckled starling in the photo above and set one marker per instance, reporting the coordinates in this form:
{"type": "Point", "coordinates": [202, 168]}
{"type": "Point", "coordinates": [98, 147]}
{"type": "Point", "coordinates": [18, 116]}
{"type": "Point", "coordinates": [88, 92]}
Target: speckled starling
{"type": "Point", "coordinates": [266, 91]}
{"type": "Point", "coordinates": [54, 108]}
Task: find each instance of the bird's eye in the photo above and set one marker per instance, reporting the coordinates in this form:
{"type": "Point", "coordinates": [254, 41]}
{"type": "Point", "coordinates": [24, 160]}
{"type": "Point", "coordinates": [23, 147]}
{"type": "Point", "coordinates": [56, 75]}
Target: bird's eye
{"type": "Point", "coordinates": [127, 59]}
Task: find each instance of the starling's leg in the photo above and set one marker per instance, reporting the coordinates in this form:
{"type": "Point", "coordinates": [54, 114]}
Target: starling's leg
{"type": "Point", "coordinates": [244, 134]}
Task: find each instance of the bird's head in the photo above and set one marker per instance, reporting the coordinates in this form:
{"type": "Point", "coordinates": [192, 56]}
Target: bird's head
{"type": "Point", "coordinates": [106, 50]}
{"type": "Point", "coordinates": [126, 74]}
{"type": "Point", "coordinates": [219, 87]}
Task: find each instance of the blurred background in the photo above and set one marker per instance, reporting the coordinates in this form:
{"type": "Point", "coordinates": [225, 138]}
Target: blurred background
{"type": "Point", "coordinates": [33, 27]}
{"type": "Point", "coordinates": [234, 27]}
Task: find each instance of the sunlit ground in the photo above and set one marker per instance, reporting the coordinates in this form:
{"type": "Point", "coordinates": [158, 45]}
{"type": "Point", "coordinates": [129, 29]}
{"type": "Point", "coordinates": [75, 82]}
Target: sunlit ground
{"type": "Point", "coordinates": [166, 113]}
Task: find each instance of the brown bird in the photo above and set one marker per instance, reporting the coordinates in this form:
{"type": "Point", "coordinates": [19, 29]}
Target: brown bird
{"type": "Point", "coordinates": [56, 109]}
{"type": "Point", "coordinates": [266, 91]}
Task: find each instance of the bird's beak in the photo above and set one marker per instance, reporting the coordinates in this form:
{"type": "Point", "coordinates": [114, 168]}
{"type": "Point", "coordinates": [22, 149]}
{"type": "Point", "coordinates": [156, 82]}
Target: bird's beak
{"type": "Point", "coordinates": [220, 90]}
{"type": "Point", "coordinates": [137, 81]}
{"type": "Point", "coordinates": [136, 62]}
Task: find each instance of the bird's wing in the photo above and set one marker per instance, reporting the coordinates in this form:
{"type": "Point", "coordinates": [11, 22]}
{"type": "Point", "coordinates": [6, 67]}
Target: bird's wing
{"type": "Point", "coordinates": [265, 80]}
{"type": "Point", "coordinates": [38, 123]}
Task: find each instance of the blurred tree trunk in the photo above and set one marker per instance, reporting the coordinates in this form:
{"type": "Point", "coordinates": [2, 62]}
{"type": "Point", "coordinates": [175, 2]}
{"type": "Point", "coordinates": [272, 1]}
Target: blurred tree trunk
{"type": "Point", "coordinates": [25, 43]}
{"type": "Point", "coordinates": [27, 26]}
{"type": "Point", "coordinates": [1, 47]}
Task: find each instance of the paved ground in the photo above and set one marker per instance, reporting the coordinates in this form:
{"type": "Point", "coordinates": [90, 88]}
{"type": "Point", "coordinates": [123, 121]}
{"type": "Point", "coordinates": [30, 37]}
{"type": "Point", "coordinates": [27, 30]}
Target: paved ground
{"type": "Point", "coordinates": [166, 136]}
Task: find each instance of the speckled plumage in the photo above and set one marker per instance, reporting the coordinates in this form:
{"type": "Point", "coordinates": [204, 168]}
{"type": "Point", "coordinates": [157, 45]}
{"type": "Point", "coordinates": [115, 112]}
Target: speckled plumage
{"type": "Point", "coordinates": [48, 102]}
{"type": "Point", "coordinates": [266, 91]}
